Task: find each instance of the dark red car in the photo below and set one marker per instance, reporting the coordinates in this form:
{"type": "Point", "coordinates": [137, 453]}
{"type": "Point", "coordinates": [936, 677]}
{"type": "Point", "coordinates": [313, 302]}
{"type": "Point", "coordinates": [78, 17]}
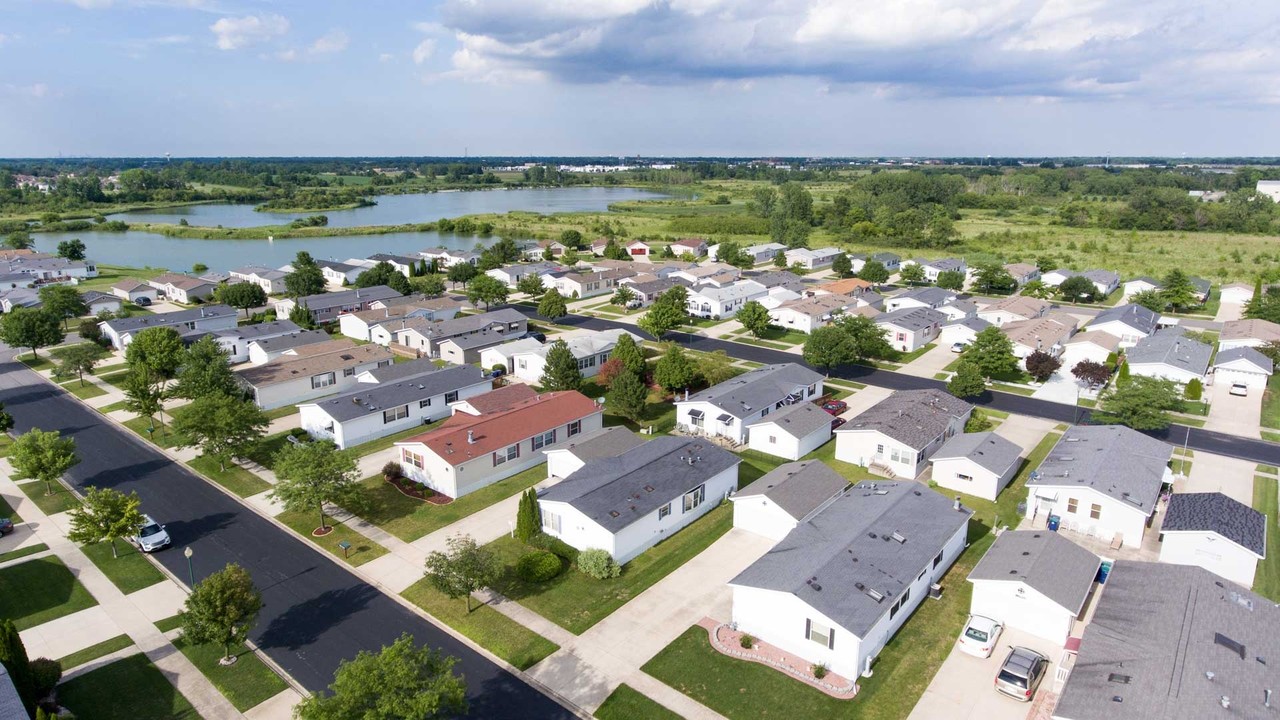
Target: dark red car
{"type": "Point", "coordinates": [835, 407]}
{"type": "Point", "coordinates": [837, 422]}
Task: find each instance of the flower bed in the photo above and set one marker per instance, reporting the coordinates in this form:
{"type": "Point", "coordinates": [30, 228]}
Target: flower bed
{"type": "Point", "coordinates": [409, 488]}
{"type": "Point", "coordinates": [728, 641]}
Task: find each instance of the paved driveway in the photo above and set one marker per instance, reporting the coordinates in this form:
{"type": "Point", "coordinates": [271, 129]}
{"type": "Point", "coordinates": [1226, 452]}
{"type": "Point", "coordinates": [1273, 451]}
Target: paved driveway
{"type": "Point", "coordinates": [1229, 311]}
{"type": "Point", "coordinates": [1234, 414]}
{"type": "Point", "coordinates": [1062, 387]}
{"type": "Point", "coordinates": [962, 689]}
{"type": "Point", "coordinates": [863, 399]}
{"type": "Point", "coordinates": [1215, 473]}
{"type": "Point", "coordinates": [930, 363]}
{"type": "Point", "coordinates": [1024, 431]}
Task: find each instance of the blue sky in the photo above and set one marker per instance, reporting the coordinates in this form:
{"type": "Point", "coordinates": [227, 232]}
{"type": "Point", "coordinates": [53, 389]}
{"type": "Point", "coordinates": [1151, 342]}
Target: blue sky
{"type": "Point", "coordinates": [651, 77]}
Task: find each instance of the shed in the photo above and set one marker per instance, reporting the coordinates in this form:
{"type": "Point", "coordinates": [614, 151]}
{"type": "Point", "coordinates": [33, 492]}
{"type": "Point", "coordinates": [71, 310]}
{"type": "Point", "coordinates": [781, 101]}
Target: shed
{"type": "Point", "coordinates": [792, 432]}
{"type": "Point", "coordinates": [979, 464]}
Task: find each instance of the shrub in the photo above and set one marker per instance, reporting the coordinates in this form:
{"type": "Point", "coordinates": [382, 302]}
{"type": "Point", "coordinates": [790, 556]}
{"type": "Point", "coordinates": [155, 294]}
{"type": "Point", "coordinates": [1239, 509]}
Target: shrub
{"type": "Point", "coordinates": [392, 470]}
{"type": "Point", "coordinates": [555, 546]}
{"type": "Point", "coordinates": [746, 641]}
{"type": "Point", "coordinates": [1194, 389]}
{"type": "Point", "coordinates": [819, 671]}
{"type": "Point", "coordinates": [45, 674]}
{"type": "Point", "coordinates": [539, 566]}
{"type": "Point", "coordinates": [598, 564]}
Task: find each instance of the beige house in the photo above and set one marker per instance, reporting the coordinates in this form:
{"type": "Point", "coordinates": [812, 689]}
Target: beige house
{"type": "Point", "coordinates": [311, 371]}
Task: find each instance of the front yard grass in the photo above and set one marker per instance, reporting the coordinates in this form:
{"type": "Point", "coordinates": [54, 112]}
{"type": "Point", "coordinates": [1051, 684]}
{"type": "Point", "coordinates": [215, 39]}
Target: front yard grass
{"type": "Point", "coordinates": [265, 451]}
{"type": "Point", "coordinates": [5, 509]}
{"type": "Point", "coordinates": [1267, 580]}
{"type": "Point", "coordinates": [93, 652]}
{"type": "Point", "coordinates": [659, 414]}
{"type": "Point", "coordinates": [127, 689]}
{"type": "Point", "coordinates": [130, 572]}
{"type": "Point", "coordinates": [781, 335]}
{"type": "Point", "coordinates": [362, 548]}
{"type": "Point", "coordinates": [37, 363]}
{"type": "Point", "coordinates": [625, 703]}
{"type": "Point", "coordinates": [23, 552]}
{"type": "Point", "coordinates": [409, 519]}
{"type": "Point", "coordinates": [382, 443]}
{"type": "Point", "coordinates": [246, 683]}
{"type": "Point", "coordinates": [576, 601]}
{"type": "Point", "coordinates": [60, 501]}
{"type": "Point", "coordinates": [162, 435]}
{"type": "Point", "coordinates": [1271, 404]}
{"type": "Point", "coordinates": [489, 628]}
{"type": "Point", "coordinates": [235, 478]}
{"type": "Point", "coordinates": [904, 358]}
{"type": "Point", "coordinates": [84, 391]}
{"type": "Point", "coordinates": [118, 405]}
{"type": "Point", "coordinates": [41, 590]}
{"type": "Point", "coordinates": [280, 412]}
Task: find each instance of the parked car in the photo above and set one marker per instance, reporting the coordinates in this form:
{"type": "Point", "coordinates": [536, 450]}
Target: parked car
{"type": "Point", "coordinates": [1021, 672]}
{"type": "Point", "coordinates": [1239, 389]}
{"type": "Point", "coordinates": [837, 422]}
{"type": "Point", "coordinates": [497, 372]}
{"type": "Point", "coordinates": [540, 337]}
{"type": "Point", "coordinates": [958, 347]}
{"type": "Point", "coordinates": [6, 525]}
{"type": "Point", "coordinates": [980, 636]}
{"type": "Point", "coordinates": [143, 301]}
{"type": "Point", "coordinates": [151, 536]}
{"type": "Point", "coordinates": [835, 407]}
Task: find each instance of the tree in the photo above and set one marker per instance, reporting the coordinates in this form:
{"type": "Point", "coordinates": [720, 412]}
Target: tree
{"type": "Point", "coordinates": [384, 273]}
{"type": "Point", "coordinates": [1078, 288]}
{"type": "Point", "coordinates": [1037, 289]}
{"type": "Point", "coordinates": [842, 266]}
{"type": "Point", "coordinates": [530, 285]}
{"type": "Point", "coordinates": [977, 422]}
{"type": "Point", "coordinates": [243, 295]}
{"type": "Point", "coordinates": [463, 568]}
{"type": "Point", "coordinates": [63, 302]}
{"type": "Point", "coordinates": [203, 370]}
{"type": "Point", "coordinates": [622, 296]}
{"type": "Point", "coordinates": [306, 277]}
{"type": "Point", "coordinates": [609, 371]}
{"type": "Point", "coordinates": [911, 274]}
{"type": "Point", "coordinates": [1094, 373]}
{"type": "Point", "coordinates": [614, 251]}
{"type": "Point", "coordinates": [828, 347]}
{"type": "Point", "coordinates": [528, 517]}
{"type": "Point", "coordinates": [874, 271]}
{"type": "Point", "coordinates": [561, 371]}
{"type": "Point", "coordinates": [1142, 403]}
{"type": "Point", "coordinates": [662, 318]}
{"type": "Point", "coordinates": [628, 397]}
{"type": "Point", "coordinates": [866, 338]}
{"type": "Point", "coordinates": [222, 426]}
{"type": "Point", "coordinates": [77, 360]}
{"type": "Point", "coordinates": [1178, 291]}
{"type": "Point", "coordinates": [462, 273]}
{"type": "Point", "coordinates": [571, 238]}
{"type": "Point", "coordinates": [314, 473]}
{"type": "Point", "coordinates": [155, 351]}
{"type": "Point", "coordinates": [1194, 390]}
{"type": "Point", "coordinates": [552, 306]}
{"type": "Point", "coordinates": [199, 268]}
{"type": "Point", "coordinates": [1152, 300]}
{"type": "Point", "coordinates": [1271, 349]}
{"type": "Point", "coordinates": [486, 289]}
{"type": "Point", "coordinates": [142, 396]}
{"type": "Point", "coordinates": [967, 382]}
{"type": "Point", "coordinates": [754, 317]}
{"type": "Point", "coordinates": [951, 280]}
{"type": "Point", "coordinates": [19, 240]}
{"type": "Point", "coordinates": [780, 259]}
{"type": "Point", "coordinates": [6, 420]}
{"type": "Point", "coordinates": [674, 369]}
{"type": "Point", "coordinates": [1122, 377]}
{"type": "Point", "coordinates": [301, 316]}
{"type": "Point", "coordinates": [993, 279]}
{"type": "Point", "coordinates": [106, 514]}
{"type": "Point", "coordinates": [992, 353]}
{"type": "Point", "coordinates": [715, 367]}
{"type": "Point", "coordinates": [429, 284]}
{"type": "Point", "coordinates": [1041, 365]}
{"type": "Point", "coordinates": [24, 327]}
{"type": "Point", "coordinates": [402, 682]}
{"type": "Point", "coordinates": [630, 354]}
{"type": "Point", "coordinates": [89, 329]}
{"type": "Point", "coordinates": [731, 253]}
{"type": "Point", "coordinates": [221, 609]}
{"type": "Point", "coordinates": [13, 654]}
{"type": "Point", "coordinates": [71, 249]}
{"type": "Point", "coordinates": [42, 455]}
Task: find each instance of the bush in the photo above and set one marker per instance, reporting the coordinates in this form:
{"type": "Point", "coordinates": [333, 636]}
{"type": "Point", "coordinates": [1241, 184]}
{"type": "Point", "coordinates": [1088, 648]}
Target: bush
{"type": "Point", "coordinates": [1194, 389]}
{"type": "Point", "coordinates": [539, 566]}
{"type": "Point", "coordinates": [598, 564]}
{"type": "Point", "coordinates": [45, 674]}
{"type": "Point", "coordinates": [747, 642]}
{"type": "Point", "coordinates": [819, 671]}
{"type": "Point", "coordinates": [392, 470]}
{"type": "Point", "coordinates": [555, 546]}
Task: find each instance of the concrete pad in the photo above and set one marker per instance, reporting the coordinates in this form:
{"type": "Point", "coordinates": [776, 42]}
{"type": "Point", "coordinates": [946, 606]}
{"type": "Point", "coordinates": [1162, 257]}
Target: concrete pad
{"type": "Point", "coordinates": [962, 689]}
{"type": "Point", "coordinates": [279, 707]}
{"type": "Point", "coordinates": [930, 363]}
{"type": "Point", "coordinates": [392, 573]}
{"type": "Point", "coordinates": [1228, 312]}
{"type": "Point", "coordinates": [68, 634]}
{"type": "Point", "coordinates": [1026, 432]}
{"type": "Point", "coordinates": [586, 684]}
{"type": "Point", "coordinates": [265, 503]}
{"type": "Point", "coordinates": [1061, 387]}
{"type": "Point", "coordinates": [160, 601]}
{"type": "Point", "coordinates": [1215, 473]}
{"type": "Point", "coordinates": [1234, 414]}
{"type": "Point", "coordinates": [860, 401]}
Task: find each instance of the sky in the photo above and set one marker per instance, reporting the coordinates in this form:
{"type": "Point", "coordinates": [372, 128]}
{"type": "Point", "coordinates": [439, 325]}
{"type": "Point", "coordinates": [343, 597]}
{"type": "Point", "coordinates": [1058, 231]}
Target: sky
{"type": "Point", "coordinates": [639, 77]}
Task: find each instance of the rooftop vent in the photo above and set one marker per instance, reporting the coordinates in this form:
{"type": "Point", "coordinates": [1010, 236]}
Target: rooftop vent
{"type": "Point", "coordinates": [1228, 643]}
{"type": "Point", "coordinates": [471, 437]}
{"type": "Point", "coordinates": [899, 537]}
{"type": "Point", "coordinates": [614, 513]}
{"type": "Point", "coordinates": [1241, 600]}
{"type": "Point", "coordinates": [875, 595]}
{"type": "Point", "coordinates": [1118, 678]}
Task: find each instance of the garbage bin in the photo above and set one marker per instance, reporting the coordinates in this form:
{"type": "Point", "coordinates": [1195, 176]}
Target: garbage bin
{"type": "Point", "coordinates": [1103, 571]}
{"type": "Point", "coordinates": [1054, 522]}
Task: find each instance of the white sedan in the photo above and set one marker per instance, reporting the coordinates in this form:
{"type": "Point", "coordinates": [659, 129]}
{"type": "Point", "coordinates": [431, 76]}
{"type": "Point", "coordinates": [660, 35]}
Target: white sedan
{"type": "Point", "coordinates": [980, 636]}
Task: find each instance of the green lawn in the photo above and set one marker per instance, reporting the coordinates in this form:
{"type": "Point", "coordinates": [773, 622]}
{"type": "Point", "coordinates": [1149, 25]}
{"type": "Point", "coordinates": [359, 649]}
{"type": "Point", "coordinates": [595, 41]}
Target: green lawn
{"type": "Point", "coordinates": [37, 363]}
{"type": "Point", "coordinates": [660, 414]}
{"type": "Point", "coordinates": [83, 391]}
{"type": "Point", "coordinates": [6, 443]}
{"type": "Point", "coordinates": [409, 519]}
{"type": "Point", "coordinates": [904, 358]}
{"type": "Point", "coordinates": [162, 435]}
{"type": "Point", "coordinates": [246, 683]}
{"type": "Point", "coordinates": [236, 479]}
{"type": "Point", "coordinates": [23, 552]}
{"type": "Point", "coordinates": [41, 590]}
{"type": "Point", "coordinates": [1267, 580]}
{"type": "Point", "coordinates": [60, 501]}
{"type": "Point", "coordinates": [130, 572]}
{"type": "Point", "coordinates": [113, 378]}
{"type": "Point", "coordinates": [264, 453]}
{"type": "Point", "coordinates": [93, 652]}
{"type": "Point", "coordinates": [109, 369]}
{"type": "Point", "coordinates": [173, 622]}
{"type": "Point", "coordinates": [128, 689]}
{"type": "Point", "coordinates": [625, 703]}
{"type": "Point", "coordinates": [782, 335]}
{"type": "Point", "coordinates": [489, 628]}
{"type": "Point", "coordinates": [280, 412]}
{"type": "Point", "coordinates": [383, 443]}
{"type": "Point", "coordinates": [5, 509]}
{"type": "Point", "coordinates": [119, 405]}
{"type": "Point", "coordinates": [1271, 404]}
{"type": "Point", "coordinates": [576, 601]}
{"type": "Point", "coordinates": [362, 548]}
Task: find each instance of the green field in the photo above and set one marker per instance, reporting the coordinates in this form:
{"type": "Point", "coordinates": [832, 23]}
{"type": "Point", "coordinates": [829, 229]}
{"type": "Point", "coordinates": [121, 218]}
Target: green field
{"type": "Point", "coordinates": [246, 682]}
{"type": "Point", "coordinates": [93, 652]}
{"type": "Point", "coordinates": [235, 478]}
{"type": "Point", "coordinates": [128, 689]}
{"type": "Point", "coordinates": [1265, 500]}
{"type": "Point", "coordinates": [60, 501]}
{"type": "Point", "coordinates": [489, 628]}
{"type": "Point", "coordinates": [130, 572]}
{"type": "Point", "coordinates": [409, 518]}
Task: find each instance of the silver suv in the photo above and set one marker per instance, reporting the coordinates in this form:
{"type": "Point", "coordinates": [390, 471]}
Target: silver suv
{"type": "Point", "coordinates": [1021, 673]}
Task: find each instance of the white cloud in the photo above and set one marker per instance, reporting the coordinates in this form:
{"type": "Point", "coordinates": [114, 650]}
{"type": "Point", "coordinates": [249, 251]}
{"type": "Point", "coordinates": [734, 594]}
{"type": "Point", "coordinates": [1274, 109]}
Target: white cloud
{"type": "Point", "coordinates": [424, 51]}
{"type": "Point", "coordinates": [332, 42]}
{"type": "Point", "coordinates": [287, 55]}
{"type": "Point", "coordinates": [234, 33]}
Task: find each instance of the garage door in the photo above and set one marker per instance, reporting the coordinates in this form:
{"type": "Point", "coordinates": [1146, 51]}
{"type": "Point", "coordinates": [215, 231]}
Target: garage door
{"type": "Point", "coordinates": [1229, 376]}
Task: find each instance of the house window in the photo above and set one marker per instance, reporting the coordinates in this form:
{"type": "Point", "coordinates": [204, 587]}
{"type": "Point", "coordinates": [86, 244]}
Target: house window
{"type": "Point", "coordinates": [664, 511]}
{"type": "Point", "coordinates": [894, 610]}
{"type": "Point", "coordinates": [543, 440]}
{"type": "Point", "coordinates": [773, 440]}
{"type": "Point", "coordinates": [383, 363]}
{"type": "Point", "coordinates": [551, 522]}
{"type": "Point", "coordinates": [820, 634]}
{"type": "Point", "coordinates": [574, 428]}
{"type": "Point", "coordinates": [411, 458]}
{"type": "Point", "coordinates": [510, 453]}
{"type": "Point", "coordinates": [696, 420]}
{"type": "Point", "coordinates": [1072, 505]}
{"type": "Point", "coordinates": [1095, 511]}
{"type": "Point", "coordinates": [962, 476]}
{"type": "Point", "coordinates": [764, 412]}
{"type": "Point", "coordinates": [694, 497]}
{"type": "Point", "coordinates": [322, 381]}
{"type": "Point", "coordinates": [394, 414]}
{"type": "Point", "coordinates": [451, 396]}
{"type": "Point", "coordinates": [348, 372]}
{"type": "Point", "coordinates": [937, 561]}
{"type": "Point", "coordinates": [813, 390]}
{"type": "Point", "coordinates": [879, 450]}
{"type": "Point", "coordinates": [424, 403]}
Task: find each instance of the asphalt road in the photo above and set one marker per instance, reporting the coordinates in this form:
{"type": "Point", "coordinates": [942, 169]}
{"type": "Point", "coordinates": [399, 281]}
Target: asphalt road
{"type": "Point", "coordinates": [316, 613]}
{"type": "Point", "coordinates": [1258, 451]}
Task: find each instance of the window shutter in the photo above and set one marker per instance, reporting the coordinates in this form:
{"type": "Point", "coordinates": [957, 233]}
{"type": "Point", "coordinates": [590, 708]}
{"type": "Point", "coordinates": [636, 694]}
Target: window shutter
{"type": "Point", "coordinates": [831, 639]}
{"type": "Point", "coordinates": [807, 625]}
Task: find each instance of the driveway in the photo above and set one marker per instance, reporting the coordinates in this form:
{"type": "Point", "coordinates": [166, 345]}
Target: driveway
{"type": "Point", "coordinates": [1234, 414]}
{"type": "Point", "coordinates": [1024, 431]}
{"type": "Point", "coordinates": [930, 363]}
{"type": "Point", "coordinates": [962, 689]}
{"type": "Point", "coordinates": [1228, 312]}
{"type": "Point", "coordinates": [1215, 473]}
{"type": "Point", "coordinates": [863, 399]}
{"type": "Point", "coordinates": [1060, 388]}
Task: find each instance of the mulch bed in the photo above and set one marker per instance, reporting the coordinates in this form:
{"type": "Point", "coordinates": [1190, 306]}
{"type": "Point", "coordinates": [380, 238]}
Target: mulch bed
{"type": "Point", "coordinates": [408, 488]}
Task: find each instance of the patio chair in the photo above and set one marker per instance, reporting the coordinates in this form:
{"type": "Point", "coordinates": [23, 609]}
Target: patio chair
{"type": "Point", "coordinates": [1117, 541]}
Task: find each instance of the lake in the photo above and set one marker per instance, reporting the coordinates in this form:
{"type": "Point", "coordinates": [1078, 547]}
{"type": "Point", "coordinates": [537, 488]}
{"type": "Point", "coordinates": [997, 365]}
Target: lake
{"type": "Point", "coordinates": [136, 248]}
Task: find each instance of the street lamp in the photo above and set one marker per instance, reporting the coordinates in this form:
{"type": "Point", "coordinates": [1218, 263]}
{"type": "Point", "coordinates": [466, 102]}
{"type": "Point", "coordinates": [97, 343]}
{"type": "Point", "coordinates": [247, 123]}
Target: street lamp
{"type": "Point", "coordinates": [190, 572]}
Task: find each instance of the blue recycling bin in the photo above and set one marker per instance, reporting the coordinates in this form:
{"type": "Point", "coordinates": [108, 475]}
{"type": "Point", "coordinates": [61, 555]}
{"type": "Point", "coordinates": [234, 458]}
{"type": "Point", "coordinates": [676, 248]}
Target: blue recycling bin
{"type": "Point", "coordinates": [1054, 522]}
{"type": "Point", "coordinates": [1103, 571]}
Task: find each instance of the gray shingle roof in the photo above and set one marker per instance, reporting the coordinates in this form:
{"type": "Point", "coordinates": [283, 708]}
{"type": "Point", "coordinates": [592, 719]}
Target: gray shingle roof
{"type": "Point", "coordinates": [798, 420]}
{"type": "Point", "coordinates": [1215, 512]}
{"type": "Point", "coordinates": [946, 264]}
{"type": "Point", "coordinates": [399, 371]}
{"type": "Point", "coordinates": [602, 443]}
{"type": "Point", "coordinates": [1246, 353]}
{"type": "Point", "coordinates": [1172, 347]}
{"type": "Point", "coordinates": [1154, 643]}
{"type": "Point", "coordinates": [777, 278]}
{"type": "Point", "coordinates": [252, 332]}
{"type": "Point", "coordinates": [745, 394]}
{"type": "Point", "coordinates": [916, 318]}
{"type": "Point", "coordinates": [886, 258]}
{"type": "Point", "coordinates": [372, 398]}
{"type": "Point", "coordinates": [325, 300]}
{"type": "Point", "coordinates": [975, 324]}
{"type": "Point", "coordinates": [618, 491]}
{"type": "Point", "coordinates": [932, 296]}
{"type": "Point", "coordinates": [1135, 316]}
{"type": "Point", "coordinates": [1106, 277]}
{"type": "Point", "coordinates": [292, 340]}
{"type": "Point", "coordinates": [1047, 562]}
{"type": "Point", "coordinates": [138, 322]}
{"type": "Point", "coordinates": [799, 488]}
{"type": "Point", "coordinates": [816, 561]}
{"type": "Point", "coordinates": [913, 417]}
{"type": "Point", "coordinates": [987, 449]}
{"type": "Point", "coordinates": [1110, 459]}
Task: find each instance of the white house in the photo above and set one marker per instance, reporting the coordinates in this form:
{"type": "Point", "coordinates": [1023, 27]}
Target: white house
{"type": "Point", "coordinates": [311, 371]}
{"type": "Point", "coordinates": [1243, 365]}
{"type": "Point", "coordinates": [891, 262]}
{"type": "Point", "coordinates": [428, 336]}
{"type": "Point", "coordinates": [1013, 309]}
{"type": "Point", "coordinates": [511, 275]}
{"type": "Point", "coordinates": [1171, 355]}
{"type": "Point", "coordinates": [807, 597]}
{"type": "Point", "coordinates": [1102, 481]}
{"type": "Point", "coordinates": [935, 268]}
{"type": "Point", "coordinates": [899, 434]}
{"type": "Point", "coordinates": [339, 274]}
{"type": "Point", "coordinates": [964, 330]}
{"type": "Point", "coordinates": [264, 350]}
{"type": "Point", "coordinates": [1093, 345]}
{"type": "Point", "coordinates": [786, 496]}
{"type": "Point", "coordinates": [792, 432]}
{"type": "Point", "coordinates": [980, 464]}
{"type": "Point", "coordinates": [1022, 273]}
{"type": "Point", "coordinates": [46, 269]}
{"type": "Point", "coordinates": [1034, 581]}
{"type": "Point", "coordinates": [1247, 333]}
{"type": "Point", "coordinates": [120, 331]}
{"type": "Point", "coordinates": [807, 314]}
{"type": "Point", "coordinates": [811, 259]}
{"type": "Point", "coordinates": [183, 288]}
{"type": "Point", "coordinates": [958, 310]}
{"type": "Point", "coordinates": [709, 301]}
{"type": "Point", "coordinates": [446, 258]}
{"type": "Point", "coordinates": [373, 410]}
{"type": "Point", "coordinates": [921, 297]}
{"type": "Point", "coordinates": [359, 325]}
{"type": "Point", "coordinates": [100, 302]}
{"type": "Point", "coordinates": [571, 456]}
{"type": "Point", "coordinates": [1104, 282]}
{"type": "Point", "coordinates": [591, 284]}
{"type": "Point", "coordinates": [697, 247]}
{"type": "Point", "coordinates": [1215, 532]}
{"type": "Point", "coordinates": [715, 273]}
{"type": "Point", "coordinates": [912, 328]}
{"type": "Point", "coordinates": [469, 452]}
{"type": "Point", "coordinates": [1130, 323]}
{"type": "Point", "coordinates": [1237, 293]}
{"type": "Point", "coordinates": [729, 408]}
{"type": "Point", "coordinates": [591, 351]}
{"type": "Point", "coordinates": [764, 253]}
{"type": "Point", "coordinates": [269, 279]}
{"type": "Point", "coordinates": [1047, 334]}
{"type": "Point", "coordinates": [1140, 284]}
{"type": "Point", "coordinates": [327, 306]}
{"type": "Point", "coordinates": [638, 248]}
{"type": "Point", "coordinates": [235, 341]}
{"type": "Point", "coordinates": [134, 290]}
{"type": "Point", "coordinates": [628, 503]}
